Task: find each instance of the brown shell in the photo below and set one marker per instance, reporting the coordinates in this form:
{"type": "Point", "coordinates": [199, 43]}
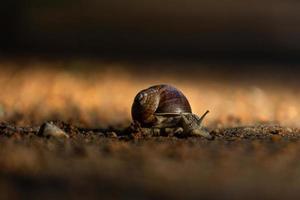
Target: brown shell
{"type": "Point", "coordinates": [158, 99]}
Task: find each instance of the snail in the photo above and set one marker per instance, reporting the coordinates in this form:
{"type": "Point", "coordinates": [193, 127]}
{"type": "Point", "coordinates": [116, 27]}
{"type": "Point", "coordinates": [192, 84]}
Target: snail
{"type": "Point", "coordinates": [158, 99]}
{"type": "Point", "coordinates": [163, 106]}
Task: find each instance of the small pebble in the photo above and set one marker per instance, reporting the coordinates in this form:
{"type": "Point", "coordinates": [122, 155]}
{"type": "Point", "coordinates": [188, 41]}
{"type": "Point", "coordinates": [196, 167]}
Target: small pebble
{"type": "Point", "coordinates": [111, 135]}
{"type": "Point", "coordinates": [289, 130]}
{"type": "Point", "coordinates": [98, 134]}
{"type": "Point", "coordinates": [51, 130]}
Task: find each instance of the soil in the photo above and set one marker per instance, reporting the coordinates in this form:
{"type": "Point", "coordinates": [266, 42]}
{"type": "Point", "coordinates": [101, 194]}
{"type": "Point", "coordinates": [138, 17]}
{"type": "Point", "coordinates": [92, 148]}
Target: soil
{"type": "Point", "coordinates": [252, 162]}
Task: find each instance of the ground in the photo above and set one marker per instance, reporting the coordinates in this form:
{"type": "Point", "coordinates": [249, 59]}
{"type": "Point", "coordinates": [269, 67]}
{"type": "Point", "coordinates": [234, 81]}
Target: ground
{"type": "Point", "coordinates": [242, 162]}
{"type": "Point", "coordinates": [254, 118]}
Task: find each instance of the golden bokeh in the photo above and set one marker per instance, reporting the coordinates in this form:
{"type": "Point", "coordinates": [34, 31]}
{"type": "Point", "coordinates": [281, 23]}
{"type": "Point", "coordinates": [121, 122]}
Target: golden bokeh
{"type": "Point", "coordinates": [103, 96]}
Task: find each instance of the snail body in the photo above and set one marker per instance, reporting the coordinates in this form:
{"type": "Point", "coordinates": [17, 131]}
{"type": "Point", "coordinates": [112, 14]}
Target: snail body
{"type": "Point", "coordinates": [158, 99]}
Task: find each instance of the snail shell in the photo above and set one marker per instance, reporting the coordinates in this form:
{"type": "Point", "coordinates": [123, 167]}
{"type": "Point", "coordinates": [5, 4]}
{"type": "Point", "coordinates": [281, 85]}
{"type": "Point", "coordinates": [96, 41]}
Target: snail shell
{"type": "Point", "coordinates": [158, 99]}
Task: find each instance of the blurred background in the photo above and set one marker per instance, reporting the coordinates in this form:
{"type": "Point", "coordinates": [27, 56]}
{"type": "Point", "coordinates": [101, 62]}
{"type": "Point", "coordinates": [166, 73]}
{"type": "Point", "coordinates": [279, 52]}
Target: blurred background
{"type": "Point", "coordinates": [84, 61]}
{"type": "Point", "coordinates": [198, 29]}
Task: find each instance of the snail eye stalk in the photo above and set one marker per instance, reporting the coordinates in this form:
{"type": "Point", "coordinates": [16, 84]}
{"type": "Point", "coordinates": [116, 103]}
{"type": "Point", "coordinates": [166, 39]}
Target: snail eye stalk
{"type": "Point", "coordinates": [202, 117]}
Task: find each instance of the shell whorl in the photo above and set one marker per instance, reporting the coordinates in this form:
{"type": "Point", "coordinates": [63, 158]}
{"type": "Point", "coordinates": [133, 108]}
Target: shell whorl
{"type": "Point", "coordinates": [158, 99]}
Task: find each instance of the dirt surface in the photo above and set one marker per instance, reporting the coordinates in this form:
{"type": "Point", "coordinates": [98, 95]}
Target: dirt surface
{"type": "Point", "coordinates": [242, 162]}
{"type": "Point", "coordinates": [254, 120]}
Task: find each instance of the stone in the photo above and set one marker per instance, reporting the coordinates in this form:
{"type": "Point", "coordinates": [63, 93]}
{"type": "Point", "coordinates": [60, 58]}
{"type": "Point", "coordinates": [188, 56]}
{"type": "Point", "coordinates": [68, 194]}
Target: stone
{"type": "Point", "coordinates": [111, 134]}
{"type": "Point", "coordinates": [48, 129]}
